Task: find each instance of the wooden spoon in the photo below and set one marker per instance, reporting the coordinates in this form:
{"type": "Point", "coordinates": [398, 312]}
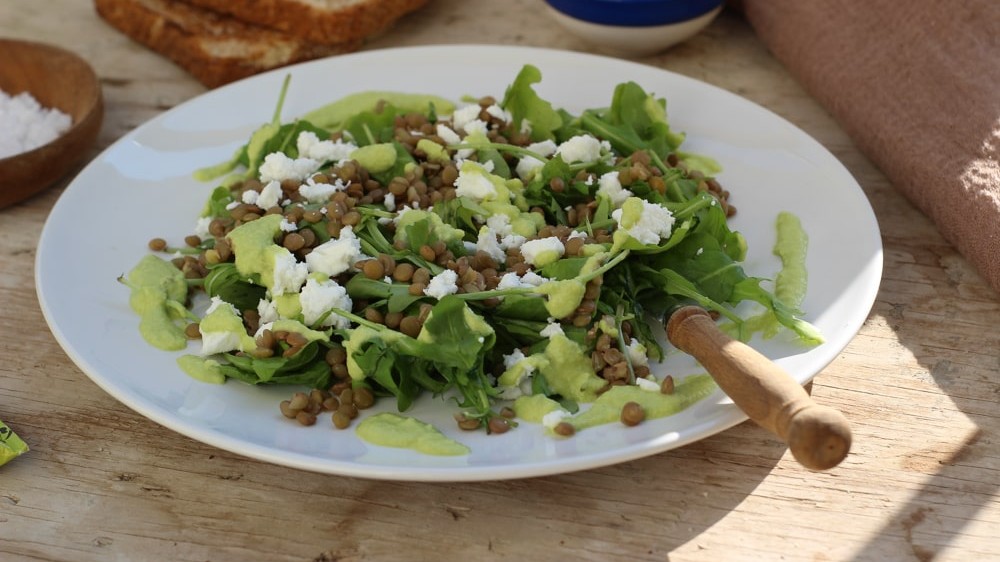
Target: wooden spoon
{"type": "Point", "coordinates": [59, 79]}
{"type": "Point", "coordinates": [818, 436]}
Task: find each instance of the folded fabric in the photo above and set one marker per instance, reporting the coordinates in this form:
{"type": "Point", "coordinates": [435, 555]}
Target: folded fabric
{"type": "Point", "coordinates": [916, 85]}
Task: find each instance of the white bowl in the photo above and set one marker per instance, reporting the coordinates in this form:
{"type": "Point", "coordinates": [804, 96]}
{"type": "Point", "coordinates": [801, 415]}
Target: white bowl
{"type": "Point", "coordinates": [634, 40]}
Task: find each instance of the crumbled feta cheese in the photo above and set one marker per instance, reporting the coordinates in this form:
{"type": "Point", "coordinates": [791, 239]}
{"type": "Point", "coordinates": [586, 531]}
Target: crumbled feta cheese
{"type": "Point", "coordinates": [512, 241]}
{"type": "Point", "coordinates": [232, 205]}
{"type": "Point", "coordinates": [279, 167]}
{"type": "Point", "coordinates": [542, 251]}
{"type": "Point", "coordinates": [201, 228]}
{"type": "Point", "coordinates": [320, 192]}
{"type": "Point", "coordinates": [523, 368]}
{"type": "Point", "coordinates": [389, 202]}
{"type": "Point", "coordinates": [487, 242]}
{"type": "Point", "coordinates": [270, 195]}
{"type": "Point", "coordinates": [318, 297]}
{"type": "Point", "coordinates": [442, 285]}
{"type": "Point", "coordinates": [216, 303]}
{"type": "Point", "coordinates": [219, 342]}
{"type": "Point", "coordinates": [311, 147]}
{"type": "Point", "coordinates": [262, 327]}
{"type": "Point", "coordinates": [646, 384]}
{"type": "Point", "coordinates": [554, 418]}
{"type": "Point", "coordinates": [512, 358]}
{"type": "Point", "coordinates": [552, 329]}
{"type": "Point", "coordinates": [589, 180]}
{"type": "Point", "coordinates": [581, 148]}
{"type": "Point", "coordinates": [577, 234]}
{"type": "Point", "coordinates": [289, 275]}
{"type": "Point", "coordinates": [336, 255]}
{"type": "Point", "coordinates": [509, 280]}
{"type": "Point", "coordinates": [250, 196]}
{"type": "Point", "coordinates": [512, 280]}
{"type": "Point", "coordinates": [465, 115]}
{"type": "Point", "coordinates": [637, 353]}
{"type": "Point", "coordinates": [543, 148]}
{"type": "Point", "coordinates": [528, 165]}
{"type": "Point", "coordinates": [610, 187]}
{"type": "Point", "coordinates": [500, 113]}
{"type": "Point", "coordinates": [533, 279]}
{"type": "Point", "coordinates": [500, 224]}
{"type": "Point", "coordinates": [448, 135]}
{"type": "Point", "coordinates": [267, 310]}
{"type": "Point", "coordinates": [288, 226]}
{"type": "Point", "coordinates": [699, 252]}
{"type": "Point", "coordinates": [477, 126]}
{"type": "Point", "coordinates": [654, 221]}
{"type": "Point", "coordinates": [525, 127]}
{"type": "Point", "coordinates": [474, 182]}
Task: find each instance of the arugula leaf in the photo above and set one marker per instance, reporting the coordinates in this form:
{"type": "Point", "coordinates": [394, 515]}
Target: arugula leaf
{"type": "Point", "coordinates": [523, 102]}
{"type": "Point", "coordinates": [225, 282]}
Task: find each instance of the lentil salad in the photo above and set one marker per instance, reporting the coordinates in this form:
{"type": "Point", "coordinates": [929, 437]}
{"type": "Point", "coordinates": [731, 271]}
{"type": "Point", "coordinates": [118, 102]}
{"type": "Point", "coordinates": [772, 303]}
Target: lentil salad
{"type": "Point", "coordinates": [399, 252]}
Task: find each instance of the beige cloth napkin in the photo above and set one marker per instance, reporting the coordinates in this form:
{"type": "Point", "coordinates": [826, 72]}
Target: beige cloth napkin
{"type": "Point", "coordinates": [916, 84]}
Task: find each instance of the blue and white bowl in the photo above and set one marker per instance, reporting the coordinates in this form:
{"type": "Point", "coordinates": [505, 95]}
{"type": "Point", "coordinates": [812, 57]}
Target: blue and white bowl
{"type": "Point", "coordinates": [634, 27]}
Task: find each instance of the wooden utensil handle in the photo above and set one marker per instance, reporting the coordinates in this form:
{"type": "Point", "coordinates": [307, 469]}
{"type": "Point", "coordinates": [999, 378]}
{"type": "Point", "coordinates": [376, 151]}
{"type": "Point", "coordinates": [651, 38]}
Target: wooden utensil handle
{"type": "Point", "coordinates": [818, 436]}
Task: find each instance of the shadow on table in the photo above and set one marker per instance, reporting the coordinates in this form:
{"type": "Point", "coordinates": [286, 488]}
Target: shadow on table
{"type": "Point", "coordinates": [650, 506]}
{"type": "Point", "coordinates": [962, 361]}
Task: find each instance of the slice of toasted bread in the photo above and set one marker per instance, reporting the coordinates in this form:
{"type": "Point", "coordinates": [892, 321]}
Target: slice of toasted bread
{"type": "Point", "coordinates": [215, 48]}
{"type": "Point", "coordinates": [321, 21]}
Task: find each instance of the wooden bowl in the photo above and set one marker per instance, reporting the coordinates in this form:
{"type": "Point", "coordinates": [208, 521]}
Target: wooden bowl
{"type": "Point", "coordinates": [58, 79]}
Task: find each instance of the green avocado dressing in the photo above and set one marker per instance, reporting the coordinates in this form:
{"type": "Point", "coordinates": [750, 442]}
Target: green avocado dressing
{"type": "Point", "coordinates": [608, 406]}
{"type": "Point", "coordinates": [376, 158]}
{"type": "Point", "coordinates": [155, 284]}
{"type": "Point", "coordinates": [402, 432]}
{"type": "Point", "coordinates": [569, 371]}
{"type": "Point", "coordinates": [250, 242]}
{"type": "Point", "coordinates": [791, 245]}
{"type": "Point", "coordinates": [533, 407]}
{"type": "Point", "coordinates": [199, 368]}
{"type": "Point", "coordinates": [334, 114]}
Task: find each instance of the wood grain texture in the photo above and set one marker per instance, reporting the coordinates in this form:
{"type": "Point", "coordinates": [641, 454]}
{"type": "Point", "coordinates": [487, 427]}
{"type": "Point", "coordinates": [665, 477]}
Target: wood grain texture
{"type": "Point", "coordinates": [920, 385]}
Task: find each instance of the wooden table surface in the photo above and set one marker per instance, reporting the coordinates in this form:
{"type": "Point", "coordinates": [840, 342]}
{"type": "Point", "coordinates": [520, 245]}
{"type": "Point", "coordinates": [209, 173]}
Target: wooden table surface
{"type": "Point", "coordinates": [920, 384]}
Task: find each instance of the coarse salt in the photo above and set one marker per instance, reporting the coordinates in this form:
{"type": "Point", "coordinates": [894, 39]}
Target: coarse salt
{"type": "Point", "coordinates": [27, 125]}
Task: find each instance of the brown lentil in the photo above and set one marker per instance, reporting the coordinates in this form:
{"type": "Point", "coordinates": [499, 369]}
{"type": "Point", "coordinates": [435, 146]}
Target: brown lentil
{"type": "Point", "coordinates": [341, 420]}
{"type": "Point", "coordinates": [564, 429]}
{"type": "Point", "coordinates": [403, 272]}
{"type": "Point", "coordinates": [467, 423]}
{"type": "Point", "coordinates": [192, 331]}
{"type": "Point", "coordinates": [632, 414]}
{"type": "Point", "coordinates": [410, 325]}
{"type": "Point", "coordinates": [498, 425]}
{"type": "Point", "coordinates": [363, 398]}
{"type": "Point", "coordinates": [373, 269]}
{"type": "Point", "coordinates": [667, 386]}
{"type": "Point", "coordinates": [157, 244]}
{"type": "Point", "coordinates": [348, 409]}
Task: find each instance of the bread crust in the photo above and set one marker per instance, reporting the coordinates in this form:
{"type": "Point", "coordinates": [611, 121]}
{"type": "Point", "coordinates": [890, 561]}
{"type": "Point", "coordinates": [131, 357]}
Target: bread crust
{"type": "Point", "coordinates": [343, 21]}
{"type": "Point", "coordinates": [214, 48]}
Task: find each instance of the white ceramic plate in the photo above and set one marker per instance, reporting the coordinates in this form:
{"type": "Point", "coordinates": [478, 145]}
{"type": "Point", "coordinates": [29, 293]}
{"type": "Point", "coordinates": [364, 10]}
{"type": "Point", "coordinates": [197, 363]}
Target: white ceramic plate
{"type": "Point", "coordinates": [141, 187]}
